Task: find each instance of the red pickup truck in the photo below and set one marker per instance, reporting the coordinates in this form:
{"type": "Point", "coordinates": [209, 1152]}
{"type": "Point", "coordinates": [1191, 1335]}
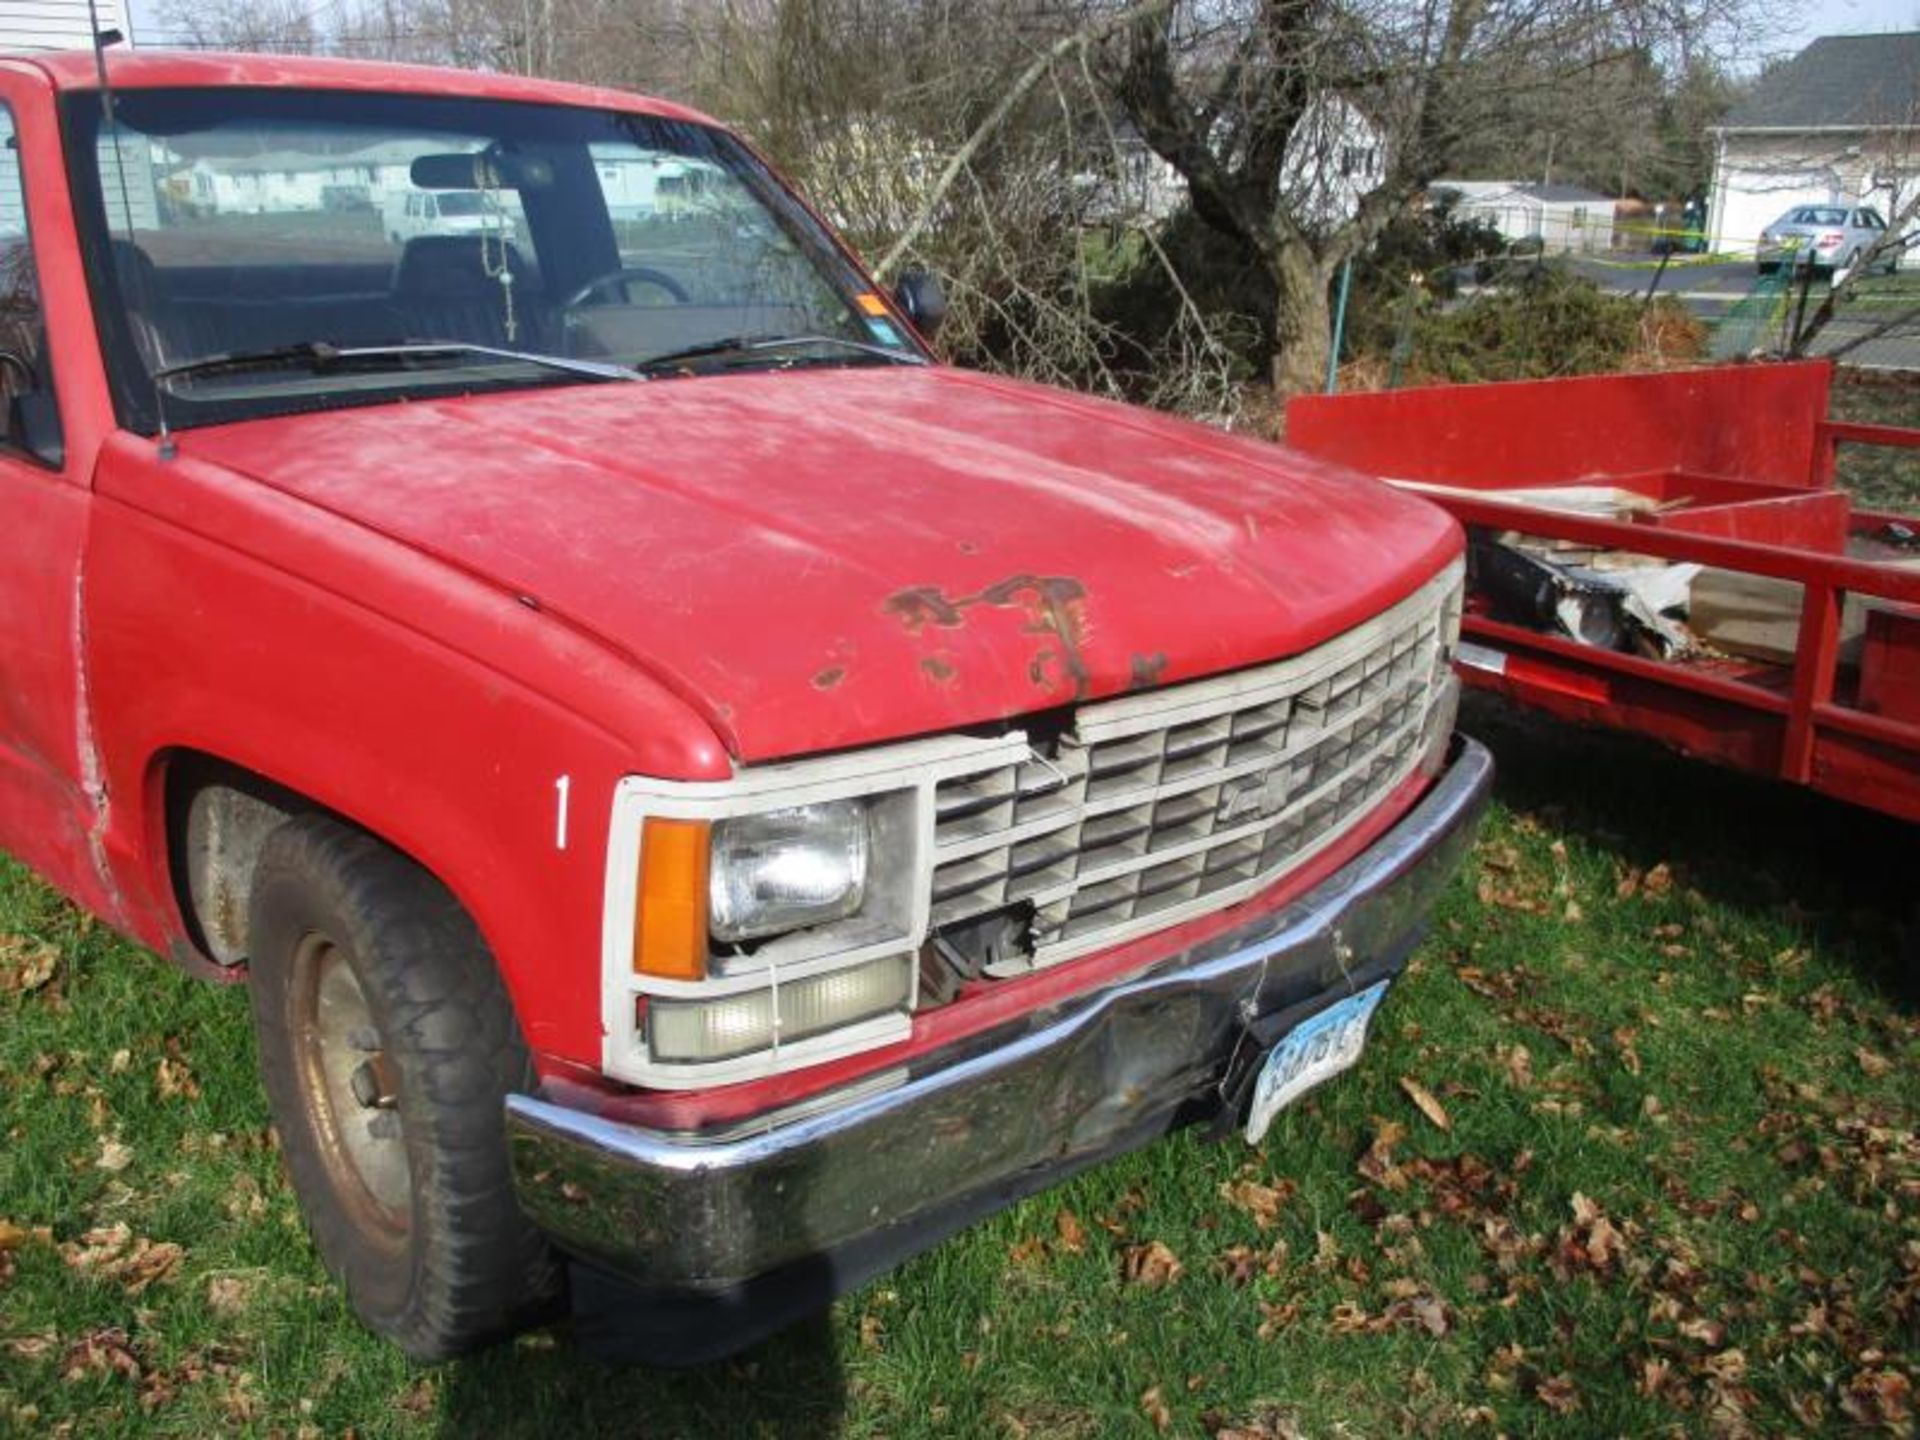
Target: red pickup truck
{"type": "Point", "coordinates": [706, 800]}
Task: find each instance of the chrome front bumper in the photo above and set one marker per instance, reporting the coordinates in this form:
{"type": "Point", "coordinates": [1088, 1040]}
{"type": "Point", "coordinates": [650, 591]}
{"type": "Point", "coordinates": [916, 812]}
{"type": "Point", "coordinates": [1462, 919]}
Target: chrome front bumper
{"type": "Point", "coordinates": [907, 1158]}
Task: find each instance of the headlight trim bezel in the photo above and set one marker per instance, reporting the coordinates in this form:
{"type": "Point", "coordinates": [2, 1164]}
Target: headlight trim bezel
{"type": "Point", "coordinates": [899, 779]}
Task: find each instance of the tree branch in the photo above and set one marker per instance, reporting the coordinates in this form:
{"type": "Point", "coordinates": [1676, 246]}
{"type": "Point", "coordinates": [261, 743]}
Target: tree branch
{"type": "Point", "coordinates": [1023, 84]}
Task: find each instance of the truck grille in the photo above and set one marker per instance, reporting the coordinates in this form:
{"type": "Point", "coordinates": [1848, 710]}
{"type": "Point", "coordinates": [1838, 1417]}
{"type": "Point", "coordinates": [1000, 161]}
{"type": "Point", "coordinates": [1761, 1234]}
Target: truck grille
{"type": "Point", "coordinates": [1157, 807]}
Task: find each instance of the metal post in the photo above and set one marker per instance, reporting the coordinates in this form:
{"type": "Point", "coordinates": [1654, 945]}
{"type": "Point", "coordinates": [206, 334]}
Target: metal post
{"type": "Point", "coordinates": [1800, 311]}
{"type": "Point", "coordinates": [1659, 270]}
{"type": "Point", "coordinates": [1339, 326]}
{"type": "Point", "coordinates": [1403, 337]}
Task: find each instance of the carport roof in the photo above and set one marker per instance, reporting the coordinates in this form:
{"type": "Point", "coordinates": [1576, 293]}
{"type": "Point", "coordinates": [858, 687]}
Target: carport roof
{"type": "Point", "coordinates": [1872, 81]}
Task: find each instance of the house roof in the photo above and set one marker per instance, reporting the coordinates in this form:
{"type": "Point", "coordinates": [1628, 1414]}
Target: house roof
{"type": "Point", "coordinates": [1520, 190]}
{"type": "Point", "coordinates": [1565, 195]}
{"type": "Point", "coordinates": [1871, 81]}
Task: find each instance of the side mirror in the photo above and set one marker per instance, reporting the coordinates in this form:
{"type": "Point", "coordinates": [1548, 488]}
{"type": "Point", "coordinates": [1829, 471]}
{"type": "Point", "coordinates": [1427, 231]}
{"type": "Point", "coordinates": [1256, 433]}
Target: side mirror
{"type": "Point", "coordinates": [921, 296]}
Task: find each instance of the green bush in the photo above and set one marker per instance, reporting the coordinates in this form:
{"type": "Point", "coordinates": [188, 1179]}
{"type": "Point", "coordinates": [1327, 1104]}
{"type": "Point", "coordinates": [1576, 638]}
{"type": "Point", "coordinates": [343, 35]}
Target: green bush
{"type": "Point", "coordinates": [1545, 323]}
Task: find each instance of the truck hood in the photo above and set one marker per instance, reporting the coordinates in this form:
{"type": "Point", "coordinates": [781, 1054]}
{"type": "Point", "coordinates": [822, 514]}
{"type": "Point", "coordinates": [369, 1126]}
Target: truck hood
{"type": "Point", "coordinates": [828, 557]}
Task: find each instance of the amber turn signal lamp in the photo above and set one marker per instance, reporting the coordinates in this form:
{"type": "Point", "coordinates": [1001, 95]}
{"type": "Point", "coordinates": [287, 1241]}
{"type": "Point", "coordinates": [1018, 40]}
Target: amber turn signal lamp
{"type": "Point", "coordinates": [670, 918]}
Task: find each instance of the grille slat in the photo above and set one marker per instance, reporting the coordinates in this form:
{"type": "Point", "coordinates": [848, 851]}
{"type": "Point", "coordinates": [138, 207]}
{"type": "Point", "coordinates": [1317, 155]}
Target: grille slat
{"type": "Point", "coordinates": [1154, 807]}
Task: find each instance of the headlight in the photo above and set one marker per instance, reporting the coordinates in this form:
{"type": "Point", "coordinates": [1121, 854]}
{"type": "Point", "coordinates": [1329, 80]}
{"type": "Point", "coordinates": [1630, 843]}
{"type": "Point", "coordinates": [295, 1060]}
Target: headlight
{"type": "Point", "coordinates": [775, 919]}
{"type": "Point", "coordinates": [781, 870]}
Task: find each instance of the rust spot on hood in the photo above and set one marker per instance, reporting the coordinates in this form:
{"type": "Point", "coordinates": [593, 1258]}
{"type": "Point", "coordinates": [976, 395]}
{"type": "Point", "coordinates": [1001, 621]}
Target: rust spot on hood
{"type": "Point", "coordinates": [1147, 670]}
{"type": "Point", "coordinates": [939, 671]}
{"type": "Point", "coordinates": [1055, 606]}
{"type": "Point", "coordinates": [829, 678]}
{"type": "Point", "coordinates": [924, 605]}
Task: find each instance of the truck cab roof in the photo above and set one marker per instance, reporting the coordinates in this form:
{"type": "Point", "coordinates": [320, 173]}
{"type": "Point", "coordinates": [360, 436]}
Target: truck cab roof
{"type": "Point", "coordinates": [163, 69]}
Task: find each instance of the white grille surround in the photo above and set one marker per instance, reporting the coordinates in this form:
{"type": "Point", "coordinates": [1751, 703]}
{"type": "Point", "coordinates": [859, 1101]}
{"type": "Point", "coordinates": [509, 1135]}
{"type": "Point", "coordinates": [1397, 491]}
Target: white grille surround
{"type": "Point", "coordinates": [1155, 808]}
{"type": "Point", "coordinates": [1150, 809]}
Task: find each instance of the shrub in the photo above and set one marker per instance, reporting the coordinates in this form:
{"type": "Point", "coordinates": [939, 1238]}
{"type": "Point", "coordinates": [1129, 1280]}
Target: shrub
{"type": "Point", "coordinates": [1545, 324]}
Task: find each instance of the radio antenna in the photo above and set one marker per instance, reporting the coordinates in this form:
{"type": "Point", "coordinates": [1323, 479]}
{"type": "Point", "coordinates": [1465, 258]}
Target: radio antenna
{"type": "Point", "coordinates": [101, 40]}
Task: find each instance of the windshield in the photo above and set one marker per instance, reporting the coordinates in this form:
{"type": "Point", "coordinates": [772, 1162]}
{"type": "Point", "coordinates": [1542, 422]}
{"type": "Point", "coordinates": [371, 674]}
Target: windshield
{"type": "Point", "coordinates": [244, 222]}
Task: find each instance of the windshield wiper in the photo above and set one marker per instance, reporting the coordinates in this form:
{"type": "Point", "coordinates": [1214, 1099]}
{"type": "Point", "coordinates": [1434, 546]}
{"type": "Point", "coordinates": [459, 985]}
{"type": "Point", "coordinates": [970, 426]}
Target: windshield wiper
{"type": "Point", "coordinates": [754, 344]}
{"type": "Point", "coordinates": [321, 356]}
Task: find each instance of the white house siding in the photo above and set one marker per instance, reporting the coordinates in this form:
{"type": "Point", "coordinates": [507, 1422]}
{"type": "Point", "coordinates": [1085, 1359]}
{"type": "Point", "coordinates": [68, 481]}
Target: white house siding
{"type": "Point", "coordinates": [1759, 177]}
{"type": "Point", "coordinates": [55, 24]}
{"type": "Point", "coordinates": [1335, 156]}
{"type": "Point", "coordinates": [1562, 225]}
{"type": "Point", "coordinates": [47, 25]}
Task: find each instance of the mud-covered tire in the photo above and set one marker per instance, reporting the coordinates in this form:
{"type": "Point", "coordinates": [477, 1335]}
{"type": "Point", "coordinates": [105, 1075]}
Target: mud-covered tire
{"type": "Point", "coordinates": [387, 1046]}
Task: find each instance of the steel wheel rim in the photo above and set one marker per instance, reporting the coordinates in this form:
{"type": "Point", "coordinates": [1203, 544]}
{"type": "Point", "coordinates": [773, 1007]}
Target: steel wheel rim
{"type": "Point", "coordinates": [349, 1091]}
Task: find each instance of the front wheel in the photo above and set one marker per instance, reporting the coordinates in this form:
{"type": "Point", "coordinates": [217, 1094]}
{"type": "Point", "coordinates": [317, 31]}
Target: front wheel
{"type": "Point", "coordinates": [388, 1047]}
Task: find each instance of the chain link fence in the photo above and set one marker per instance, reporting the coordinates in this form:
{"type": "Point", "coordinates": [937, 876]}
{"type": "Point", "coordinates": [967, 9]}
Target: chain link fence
{"type": "Point", "coordinates": [1873, 325]}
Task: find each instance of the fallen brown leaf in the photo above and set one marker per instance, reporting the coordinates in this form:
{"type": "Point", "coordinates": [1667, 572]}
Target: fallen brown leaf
{"type": "Point", "coordinates": [1592, 1241]}
{"type": "Point", "coordinates": [1237, 1264]}
{"type": "Point", "coordinates": [174, 1080]}
{"type": "Point", "coordinates": [98, 1353]}
{"type": "Point", "coordinates": [1518, 1061]}
{"type": "Point", "coordinates": [1558, 1394]}
{"type": "Point", "coordinates": [1262, 1202]}
{"type": "Point", "coordinates": [1424, 1101]}
{"type": "Point", "coordinates": [1873, 1064]}
{"type": "Point", "coordinates": [113, 1254]}
{"type": "Point", "coordinates": [1430, 1313]}
{"type": "Point", "coordinates": [26, 964]}
{"type": "Point", "coordinates": [1878, 1397]}
{"type": "Point", "coordinates": [1030, 1251]}
{"type": "Point", "coordinates": [31, 1347]}
{"type": "Point", "coordinates": [1266, 1424]}
{"type": "Point", "coordinates": [1151, 1265]}
{"type": "Point", "coordinates": [1623, 1039]}
{"type": "Point", "coordinates": [1155, 1409]}
{"type": "Point", "coordinates": [1349, 1319]}
{"type": "Point", "coordinates": [1073, 1235]}
{"type": "Point", "coordinates": [1377, 1164]}
{"type": "Point", "coordinates": [1710, 1333]}
{"type": "Point", "coordinates": [13, 1237]}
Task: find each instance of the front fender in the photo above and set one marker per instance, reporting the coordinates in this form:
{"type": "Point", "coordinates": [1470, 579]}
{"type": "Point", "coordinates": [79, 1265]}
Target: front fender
{"type": "Point", "coordinates": [467, 729]}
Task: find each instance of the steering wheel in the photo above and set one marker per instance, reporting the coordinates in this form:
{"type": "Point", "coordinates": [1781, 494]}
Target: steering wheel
{"type": "Point", "coordinates": [625, 275]}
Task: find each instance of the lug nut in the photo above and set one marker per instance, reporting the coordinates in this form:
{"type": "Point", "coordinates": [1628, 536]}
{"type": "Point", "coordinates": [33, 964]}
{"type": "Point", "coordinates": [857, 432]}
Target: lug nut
{"type": "Point", "coordinates": [365, 1084]}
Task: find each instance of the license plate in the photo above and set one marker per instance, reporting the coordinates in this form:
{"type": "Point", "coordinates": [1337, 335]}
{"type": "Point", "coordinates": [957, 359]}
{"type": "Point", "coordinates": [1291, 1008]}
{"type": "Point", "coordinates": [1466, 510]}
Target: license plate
{"type": "Point", "coordinates": [1315, 1050]}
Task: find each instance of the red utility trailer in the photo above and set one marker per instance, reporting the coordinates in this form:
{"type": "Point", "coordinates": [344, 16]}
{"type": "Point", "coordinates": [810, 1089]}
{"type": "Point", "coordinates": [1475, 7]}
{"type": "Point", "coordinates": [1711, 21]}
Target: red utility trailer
{"type": "Point", "coordinates": [1668, 554]}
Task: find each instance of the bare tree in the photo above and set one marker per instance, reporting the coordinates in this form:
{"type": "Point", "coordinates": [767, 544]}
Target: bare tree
{"type": "Point", "coordinates": [285, 26]}
{"type": "Point", "coordinates": [1223, 91]}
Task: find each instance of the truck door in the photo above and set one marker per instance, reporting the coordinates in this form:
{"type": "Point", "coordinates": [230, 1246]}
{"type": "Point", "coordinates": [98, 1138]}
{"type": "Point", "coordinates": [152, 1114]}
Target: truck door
{"type": "Point", "coordinates": [47, 809]}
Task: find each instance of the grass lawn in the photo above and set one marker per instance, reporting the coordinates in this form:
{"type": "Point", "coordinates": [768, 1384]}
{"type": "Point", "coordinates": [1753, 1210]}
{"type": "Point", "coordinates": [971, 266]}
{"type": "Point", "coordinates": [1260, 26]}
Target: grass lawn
{"type": "Point", "coordinates": [1633, 1151]}
{"type": "Point", "coordinates": [1876, 475]}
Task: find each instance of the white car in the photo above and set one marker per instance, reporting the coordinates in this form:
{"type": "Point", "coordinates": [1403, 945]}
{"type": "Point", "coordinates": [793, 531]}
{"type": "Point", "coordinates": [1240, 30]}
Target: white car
{"type": "Point", "coordinates": [1827, 237]}
{"type": "Point", "coordinates": [434, 212]}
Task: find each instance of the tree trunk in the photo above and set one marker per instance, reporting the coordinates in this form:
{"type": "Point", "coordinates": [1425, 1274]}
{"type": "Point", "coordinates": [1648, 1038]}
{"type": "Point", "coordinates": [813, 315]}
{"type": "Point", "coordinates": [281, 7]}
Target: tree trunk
{"type": "Point", "coordinates": [1302, 321]}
